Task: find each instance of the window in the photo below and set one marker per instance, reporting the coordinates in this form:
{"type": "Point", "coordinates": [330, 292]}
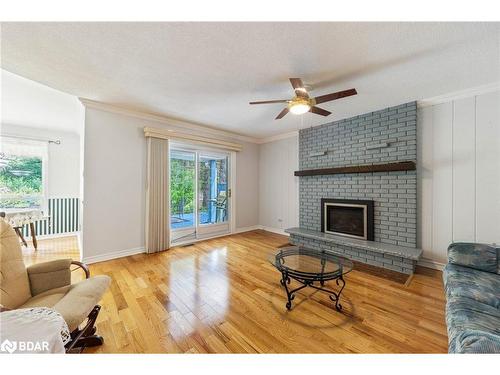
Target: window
{"type": "Point", "coordinates": [23, 166]}
{"type": "Point", "coordinates": [200, 198]}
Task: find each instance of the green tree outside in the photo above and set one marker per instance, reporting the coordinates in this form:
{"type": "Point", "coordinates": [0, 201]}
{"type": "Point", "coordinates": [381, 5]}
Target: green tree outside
{"type": "Point", "coordinates": [20, 176]}
{"type": "Point", "coordinates": [181, 186]}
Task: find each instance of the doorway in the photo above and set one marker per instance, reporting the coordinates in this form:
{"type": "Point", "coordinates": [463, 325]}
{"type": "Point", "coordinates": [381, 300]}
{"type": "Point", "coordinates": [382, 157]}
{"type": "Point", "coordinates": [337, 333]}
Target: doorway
{"type": "Point", "coordinates": [200, 194]}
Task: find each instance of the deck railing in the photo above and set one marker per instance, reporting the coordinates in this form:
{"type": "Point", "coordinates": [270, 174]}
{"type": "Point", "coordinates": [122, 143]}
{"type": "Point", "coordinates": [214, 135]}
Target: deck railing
{"type": "Point", "coordinates": [63, 217]}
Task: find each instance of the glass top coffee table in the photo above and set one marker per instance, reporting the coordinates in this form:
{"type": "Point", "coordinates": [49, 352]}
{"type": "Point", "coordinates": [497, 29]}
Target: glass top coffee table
{"type": "Point", "coordinates": [311, 268]}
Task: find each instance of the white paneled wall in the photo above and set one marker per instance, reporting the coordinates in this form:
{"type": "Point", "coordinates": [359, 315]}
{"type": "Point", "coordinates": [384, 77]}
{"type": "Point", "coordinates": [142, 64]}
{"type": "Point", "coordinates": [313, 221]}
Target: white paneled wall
{"type": "Point", "coordinates": [278, 190]}
{"type": "Point", "coordinates": [458, 173]}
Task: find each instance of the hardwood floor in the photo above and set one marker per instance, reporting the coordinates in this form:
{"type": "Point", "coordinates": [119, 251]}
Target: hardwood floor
{"type": "Point", "coordinates": [50, 249]}
{"type": "Point", "coordinates": [222, 296]}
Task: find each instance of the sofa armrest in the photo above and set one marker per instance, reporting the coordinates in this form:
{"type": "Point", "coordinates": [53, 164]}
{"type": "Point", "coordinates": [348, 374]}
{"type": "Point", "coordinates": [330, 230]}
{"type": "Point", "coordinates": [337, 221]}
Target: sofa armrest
{"type": "Point", "coordinates": [49, 275]}
{"type": "Point", "coordinates": [474, 255]}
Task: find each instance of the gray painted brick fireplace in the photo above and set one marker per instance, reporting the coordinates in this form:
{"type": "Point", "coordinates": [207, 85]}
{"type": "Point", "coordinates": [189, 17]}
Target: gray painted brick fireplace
{"type": "Point", "coordinates": [388, 135]}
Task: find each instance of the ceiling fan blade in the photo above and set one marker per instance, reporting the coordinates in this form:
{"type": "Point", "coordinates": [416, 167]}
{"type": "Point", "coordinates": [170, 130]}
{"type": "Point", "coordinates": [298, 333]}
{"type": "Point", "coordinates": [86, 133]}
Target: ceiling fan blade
{"type": "Point", "coordinates": [296, 83]}
{"type": "Point", "coordinates": [335, 95]}
{"type": "Point", "coordinates": [299, 88]}
{"type": "Point", "coordinates": [270, 101]}
{"type": "Point", "coordinates": [282, 113]}
{"type": "Point", "coordinates": [320, 111]}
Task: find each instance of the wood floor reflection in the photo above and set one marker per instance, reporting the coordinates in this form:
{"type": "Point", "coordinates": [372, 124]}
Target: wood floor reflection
{"type": "Point", "coordinates": [58, 248]}
{"type": "Point", "coordinates": [222, 296]}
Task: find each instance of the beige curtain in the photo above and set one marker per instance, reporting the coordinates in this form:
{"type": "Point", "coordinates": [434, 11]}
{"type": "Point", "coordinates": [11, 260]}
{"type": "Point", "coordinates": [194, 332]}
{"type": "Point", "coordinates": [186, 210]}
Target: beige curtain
{"type": "Point", "coordinates": [157, 205]}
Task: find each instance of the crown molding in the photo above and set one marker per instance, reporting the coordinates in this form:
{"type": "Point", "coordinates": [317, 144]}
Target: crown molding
{"type": "Point", "coordinates": [169, 122]}
{"type": "Point", "coordinates": [278, 137]}
{"type": "Point", "coordinates": [459, 95]}
{"type": "Point", "coordinates": [175, 124]}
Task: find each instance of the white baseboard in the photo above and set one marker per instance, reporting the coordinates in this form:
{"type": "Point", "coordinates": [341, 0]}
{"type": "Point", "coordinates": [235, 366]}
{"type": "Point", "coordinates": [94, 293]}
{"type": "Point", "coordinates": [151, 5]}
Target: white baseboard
{"type": "Point", "coordinates": [194, 240]}
{"type": "Point", "coordinates": [140, 250]}
{"type": "Point", "coordinates": [50, 236]}
{"type": "Point", "coordinates": [428, 263]}
{"type": "Point", "coordinates": [247, 229]}
{"type": "Point", "coordinates": [262, 227]}
{"type": "Point", "coordinates": [275, 230]}
{"type": "Point", "coordinates": [113, 255]}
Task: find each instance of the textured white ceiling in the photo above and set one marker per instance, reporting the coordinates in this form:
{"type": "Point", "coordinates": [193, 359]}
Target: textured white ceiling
{"type": "Point", "coordinates": [28, 103]}
{"type": "Point", "coordinates": [208, 72]}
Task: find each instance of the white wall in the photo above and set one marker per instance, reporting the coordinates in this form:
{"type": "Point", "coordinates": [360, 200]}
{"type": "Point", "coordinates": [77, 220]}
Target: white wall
{"type": "Point", "coordinates": [459, 173]}
{"type": "Point", "coordinates": [28, 103]}
{"type": "Point", "coordinates": [31, 109]}
{"type": "Point", "coordinates": [64, 159]}
{"type": "Point", "coordinates": [114, 184]}
{"type": "Point", "coordinates": [278, 187]}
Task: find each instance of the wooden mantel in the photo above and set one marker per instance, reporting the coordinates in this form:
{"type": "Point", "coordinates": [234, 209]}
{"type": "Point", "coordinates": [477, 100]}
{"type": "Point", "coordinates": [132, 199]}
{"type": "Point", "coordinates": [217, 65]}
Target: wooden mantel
{"type": "Point", "coordinates": [387, 167]}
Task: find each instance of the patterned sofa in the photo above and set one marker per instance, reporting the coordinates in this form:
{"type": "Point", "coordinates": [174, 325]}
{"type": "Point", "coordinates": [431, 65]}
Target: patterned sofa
{"type": "Point", "coordinates": [472, 287]}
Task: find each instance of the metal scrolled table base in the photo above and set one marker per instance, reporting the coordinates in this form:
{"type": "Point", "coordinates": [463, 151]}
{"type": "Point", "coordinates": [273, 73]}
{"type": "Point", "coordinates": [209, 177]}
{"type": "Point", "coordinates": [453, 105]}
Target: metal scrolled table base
{"type": "Point", "coordinates": [309, 282]}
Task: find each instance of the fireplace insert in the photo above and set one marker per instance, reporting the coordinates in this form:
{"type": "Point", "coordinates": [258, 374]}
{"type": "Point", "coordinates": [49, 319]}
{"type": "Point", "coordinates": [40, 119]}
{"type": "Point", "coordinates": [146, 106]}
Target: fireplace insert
{"type": "Point", "coordinates": [347, 217]}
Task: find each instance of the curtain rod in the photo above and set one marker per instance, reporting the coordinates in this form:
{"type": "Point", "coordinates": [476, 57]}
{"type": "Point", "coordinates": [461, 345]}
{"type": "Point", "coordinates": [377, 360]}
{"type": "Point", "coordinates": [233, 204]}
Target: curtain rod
{"type": "Point", "coordinates": [56, 141]}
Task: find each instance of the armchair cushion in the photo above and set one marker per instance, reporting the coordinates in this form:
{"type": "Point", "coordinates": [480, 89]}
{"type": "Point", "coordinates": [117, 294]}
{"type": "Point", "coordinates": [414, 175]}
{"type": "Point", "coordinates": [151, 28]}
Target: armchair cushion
{"type": "Point", "coordinates": [479, 256]}
{"type": "Point", "coordinates": [49, 275]}
{"type": "Point", "coordinates": [14, 283]}
{"type": "Point", "coordinates": [74, 302]}
{"type": "Point", "coordinates": [48, 298]}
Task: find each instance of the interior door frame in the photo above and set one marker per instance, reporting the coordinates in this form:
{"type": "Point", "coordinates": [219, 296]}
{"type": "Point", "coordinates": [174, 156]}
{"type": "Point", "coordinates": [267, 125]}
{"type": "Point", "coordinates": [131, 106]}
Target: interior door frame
{"type": "Point", "coordinates": [197, 149]}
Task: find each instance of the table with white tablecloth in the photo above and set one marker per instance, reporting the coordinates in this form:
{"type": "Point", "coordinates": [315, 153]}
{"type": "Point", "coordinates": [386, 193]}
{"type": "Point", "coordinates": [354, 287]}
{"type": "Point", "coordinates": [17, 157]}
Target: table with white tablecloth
{"type": "Point", "coordinates": [19, 217]}
{"type": "Point", "coordinates": [33, 330]}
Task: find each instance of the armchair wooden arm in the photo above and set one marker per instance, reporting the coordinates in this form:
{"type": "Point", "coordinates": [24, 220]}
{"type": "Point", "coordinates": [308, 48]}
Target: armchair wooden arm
{"type": "Point", "coordinates": [83, 266]}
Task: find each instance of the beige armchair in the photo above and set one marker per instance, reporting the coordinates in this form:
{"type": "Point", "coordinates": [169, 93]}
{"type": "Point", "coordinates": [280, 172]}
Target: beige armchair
{"type": "Point", "coordinates": [48, 284]}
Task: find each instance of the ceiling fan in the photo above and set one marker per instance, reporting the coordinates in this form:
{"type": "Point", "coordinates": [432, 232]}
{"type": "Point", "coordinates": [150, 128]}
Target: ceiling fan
{"type": "Point", "coordinates": [302, 103]}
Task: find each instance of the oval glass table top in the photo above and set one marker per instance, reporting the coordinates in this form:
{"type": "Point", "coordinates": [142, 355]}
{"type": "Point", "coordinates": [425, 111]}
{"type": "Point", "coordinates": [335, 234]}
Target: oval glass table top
{"type": "Point", "coordinates": [302, 261]}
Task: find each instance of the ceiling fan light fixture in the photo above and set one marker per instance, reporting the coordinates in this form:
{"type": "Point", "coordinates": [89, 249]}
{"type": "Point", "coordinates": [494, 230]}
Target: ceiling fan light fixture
{"type": "Point", "coordinates": [302, 102]}
{"type": "Point", "coordinates": [299, 106]}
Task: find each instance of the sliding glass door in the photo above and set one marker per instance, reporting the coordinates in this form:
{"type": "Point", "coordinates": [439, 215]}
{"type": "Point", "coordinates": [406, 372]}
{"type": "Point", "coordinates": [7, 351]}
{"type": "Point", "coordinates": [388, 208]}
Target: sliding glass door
{"type": "Point", "coordinates": [199, 194]}
{"type": "Point", "coordinates": [212, 189]}
{"type": "Point", "coordinates": [182, 194]}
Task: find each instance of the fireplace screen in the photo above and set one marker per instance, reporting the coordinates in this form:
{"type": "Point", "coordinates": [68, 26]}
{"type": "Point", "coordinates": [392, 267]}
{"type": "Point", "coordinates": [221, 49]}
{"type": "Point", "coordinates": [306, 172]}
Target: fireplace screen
{"type": "Point", "coordinates": [348, 218]}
